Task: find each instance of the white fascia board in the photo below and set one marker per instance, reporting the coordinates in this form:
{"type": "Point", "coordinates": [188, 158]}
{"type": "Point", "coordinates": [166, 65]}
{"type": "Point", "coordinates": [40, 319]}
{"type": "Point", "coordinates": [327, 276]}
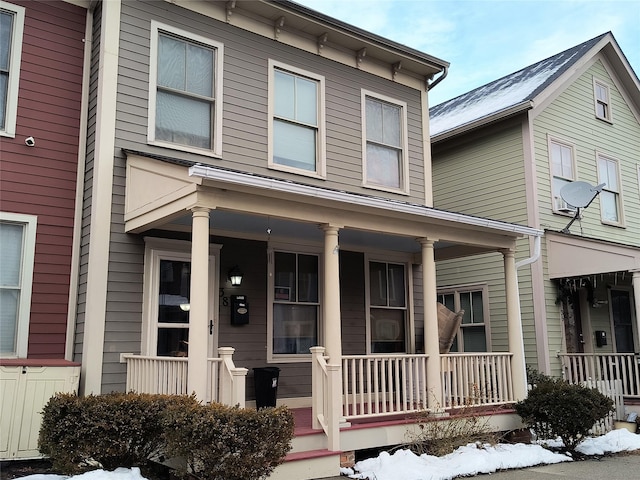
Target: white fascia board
{"type": "Point", "coordinates": [239, 178]}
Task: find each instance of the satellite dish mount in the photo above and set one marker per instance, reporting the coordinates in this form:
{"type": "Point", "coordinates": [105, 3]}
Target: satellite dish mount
{"type": "Point", "coordinates": [579, 195]}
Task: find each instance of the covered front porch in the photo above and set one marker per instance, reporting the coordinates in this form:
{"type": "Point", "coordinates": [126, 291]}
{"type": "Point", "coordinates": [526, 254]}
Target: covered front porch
{"type": "Point", "coordinates": [341, 293]}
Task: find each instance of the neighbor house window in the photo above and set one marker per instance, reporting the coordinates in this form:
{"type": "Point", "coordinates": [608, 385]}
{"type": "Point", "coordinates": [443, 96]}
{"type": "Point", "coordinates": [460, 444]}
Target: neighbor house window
{"type": "Point", "coordinates": [11, 28]}
{"type": "Point", "coordinates": [387, 307]}
{"type": "Point", "coordinates": [295, 303]}
{"type": "Point", "coordinates": [602, 100]}
{"type": "Point", "coordinates": [473, 333]}
{"type": "Point", "coordinates": [185, 98]}
{"type": "Point", "coordinates": [18, 241]}
{"type": "Point", "coordinates": [296, 120]}
{"type": "Point", "coordinates": [610, 205]}
{"type": "Point", "coordinates": [384, 143]}
{"type": "Point", "coordinates": [563, 171]}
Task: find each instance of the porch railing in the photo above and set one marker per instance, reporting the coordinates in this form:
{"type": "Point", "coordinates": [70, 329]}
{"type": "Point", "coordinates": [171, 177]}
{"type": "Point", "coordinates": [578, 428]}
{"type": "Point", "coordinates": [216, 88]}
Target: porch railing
{"type": "Point", "coordinates": [325, 407]}
{"type": "Point", "coordinates": [168, 375]}
{"type": "Point", "coordinates": [472, 379]}
{"type": "Point", "coordinates": [381, 385]}
{"type": "Point", "coordinates": [581, 367]}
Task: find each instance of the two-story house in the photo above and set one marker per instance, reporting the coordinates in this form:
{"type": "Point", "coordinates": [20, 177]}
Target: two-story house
{"type": "Point", "coordinates": [42, 65]}
{"type": "Point", "coordinates": [506, 150]}
{"type": "Point", "coordinates": [257, 185]}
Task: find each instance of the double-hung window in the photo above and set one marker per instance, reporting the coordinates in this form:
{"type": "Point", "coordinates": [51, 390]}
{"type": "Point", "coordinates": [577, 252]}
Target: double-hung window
{"type": "Point", "coordinates": [387, 307]}
{"type": "Point", "coordinates": [185, 97]}
{"type": "Point", "coordinates": [602, 99]}
{"type": "Point", "coordinates": [384, 143]}
{"type": "Point", "coordinates": [18, 240]}
{"type": "Point", "coordinates": [296, 120]}
{"type": "Point", "coordinates": [295, 302]}
{"type": "Point", "coordinates": [610, 205]}
{"type": "Point", "coordinates": [473, 333]}
{"type": "Point", "coordinates": [11, 28]}
{"type": "Point", "coordinates": [563, 171]}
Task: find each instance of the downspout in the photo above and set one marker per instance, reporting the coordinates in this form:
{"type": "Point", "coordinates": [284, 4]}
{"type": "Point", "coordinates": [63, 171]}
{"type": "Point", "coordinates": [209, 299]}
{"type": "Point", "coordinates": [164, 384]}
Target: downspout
{"type": "Point", "coordinates": [445, 71]}
{"type": "Point", "coordinates": [80, 178]}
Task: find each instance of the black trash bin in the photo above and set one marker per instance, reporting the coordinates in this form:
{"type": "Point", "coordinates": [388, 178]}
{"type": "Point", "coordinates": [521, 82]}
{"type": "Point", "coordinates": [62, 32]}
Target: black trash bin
{"type": "Point", "coordinates": [266, 384]}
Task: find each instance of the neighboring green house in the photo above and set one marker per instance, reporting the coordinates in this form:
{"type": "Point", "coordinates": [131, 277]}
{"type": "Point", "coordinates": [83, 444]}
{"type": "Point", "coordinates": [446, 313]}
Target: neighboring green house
{"type": "Point", "coordinates": [504, 151]}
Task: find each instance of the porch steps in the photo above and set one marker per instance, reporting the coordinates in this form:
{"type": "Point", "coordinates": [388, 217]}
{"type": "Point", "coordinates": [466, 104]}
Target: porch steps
{"type": "Point", "coordinates": [308, 465]}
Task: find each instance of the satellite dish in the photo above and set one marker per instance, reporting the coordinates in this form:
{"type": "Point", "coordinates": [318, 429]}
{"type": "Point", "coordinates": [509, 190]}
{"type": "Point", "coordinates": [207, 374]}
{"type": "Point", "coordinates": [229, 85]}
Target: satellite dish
{"type": "Point", "coordinates": [580, 194]}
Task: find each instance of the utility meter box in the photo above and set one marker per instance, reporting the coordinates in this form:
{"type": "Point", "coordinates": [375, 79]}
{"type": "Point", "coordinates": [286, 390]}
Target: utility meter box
{"type": "Point", "coordinates": [239, 310]}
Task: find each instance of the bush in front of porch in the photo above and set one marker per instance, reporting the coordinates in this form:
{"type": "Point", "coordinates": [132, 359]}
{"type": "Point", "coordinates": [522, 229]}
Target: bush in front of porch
{"type": "Point", "coordinates": [554, 408]}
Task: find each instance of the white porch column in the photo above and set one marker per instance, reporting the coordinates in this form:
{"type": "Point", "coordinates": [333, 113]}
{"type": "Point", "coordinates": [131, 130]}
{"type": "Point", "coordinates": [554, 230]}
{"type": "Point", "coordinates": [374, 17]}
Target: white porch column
{"type": "Point", "coordinates": [431, 340]}
{"type": "Point", "coordinates": [636, 295]}
{"type": "Point", "coordinates": [199, 304]}
{"type": "Point", "coordinates": [514, 326]}
{"type": "Point", "coordinates": [331, 302]}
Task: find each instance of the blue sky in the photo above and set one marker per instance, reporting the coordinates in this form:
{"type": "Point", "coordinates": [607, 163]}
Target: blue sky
{"type": "Point", "coordinates": [484, 40]}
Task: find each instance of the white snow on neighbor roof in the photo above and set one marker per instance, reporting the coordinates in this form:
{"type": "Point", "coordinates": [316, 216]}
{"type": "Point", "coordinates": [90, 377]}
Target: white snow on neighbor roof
{"type": "Point", "coordinates": [496, 96]}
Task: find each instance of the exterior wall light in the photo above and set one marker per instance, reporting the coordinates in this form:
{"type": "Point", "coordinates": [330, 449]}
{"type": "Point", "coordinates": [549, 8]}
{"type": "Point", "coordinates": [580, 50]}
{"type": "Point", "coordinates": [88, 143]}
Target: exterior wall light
{"type": "Point", "coordinates": [235, 275]}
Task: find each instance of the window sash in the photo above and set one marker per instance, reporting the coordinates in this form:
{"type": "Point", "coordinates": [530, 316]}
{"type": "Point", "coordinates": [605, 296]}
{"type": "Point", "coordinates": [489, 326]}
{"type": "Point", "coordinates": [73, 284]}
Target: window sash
{"type": "Point", "coordinates": [11, 31]}
{"type": "Point", "coordinates": [472, 335]}
{"type": "Point", "coordinates": [610, 195]}
{"type": "Point", "coordinates": [601, 93]}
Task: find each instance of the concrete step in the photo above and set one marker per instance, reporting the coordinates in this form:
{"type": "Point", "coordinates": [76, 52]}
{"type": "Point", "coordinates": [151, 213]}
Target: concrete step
{"type": "Point", "coordinates": [308, 465]}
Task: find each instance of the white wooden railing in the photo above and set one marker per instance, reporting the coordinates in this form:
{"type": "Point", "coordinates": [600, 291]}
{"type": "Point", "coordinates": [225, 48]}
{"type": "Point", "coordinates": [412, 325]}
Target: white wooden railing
{"type": "Point", "coordinates": [168, 375]}
{"type": "Point", "coordinates": [472, 379]}
{"type": "Point", "coordinates": [381, 385]}
{"type": "Point", "coordinates": [581, 367]}
{"type": "Point", "coordinates": [325, 407]}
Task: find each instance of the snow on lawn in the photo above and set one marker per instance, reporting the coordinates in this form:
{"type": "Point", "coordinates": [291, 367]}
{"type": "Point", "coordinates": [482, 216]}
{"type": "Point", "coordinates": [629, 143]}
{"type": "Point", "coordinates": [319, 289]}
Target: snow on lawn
{"type": "Point", "coordinates": [469, 460]}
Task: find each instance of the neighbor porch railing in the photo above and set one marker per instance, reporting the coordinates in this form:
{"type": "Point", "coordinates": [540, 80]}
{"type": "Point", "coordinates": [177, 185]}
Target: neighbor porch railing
{"type": "Point", "coordinates": [581, 367]}
{"type": "Point", "coordinates": [168, 375]}
{"type": "Point", "coordinates": [474, 379]}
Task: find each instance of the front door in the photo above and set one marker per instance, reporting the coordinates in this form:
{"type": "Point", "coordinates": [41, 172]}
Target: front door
{"type": "Point", "coordinates": [622, 322]}
{"type": "Point", "coordinates": [168, 334]}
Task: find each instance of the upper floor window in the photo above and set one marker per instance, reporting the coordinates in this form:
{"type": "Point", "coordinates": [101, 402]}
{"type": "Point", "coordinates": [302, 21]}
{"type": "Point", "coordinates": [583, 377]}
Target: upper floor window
{"type": "Point", "coordinates": [384, 143]}
{"type": "Point", "coordinates": [17, 250]}
{"type": "Point", "coordinates": [610, 207]}
{"type": "Point", "coordinates": [563, 171]}
{"type": "Point", "coordinates": [474, 329]}
{"type": "Point", "coordinates": [296, 122]}
{"type": "Point", "coordinates": [11, 28]}
{"type": "Point", "coordinates": [295, 304]}
{"type": "Point", "coordinates": [387, 307]}
{"type": "Point", "coordinates": [185, 97]}
{"type": "Point", "coordinates": [602, 100]}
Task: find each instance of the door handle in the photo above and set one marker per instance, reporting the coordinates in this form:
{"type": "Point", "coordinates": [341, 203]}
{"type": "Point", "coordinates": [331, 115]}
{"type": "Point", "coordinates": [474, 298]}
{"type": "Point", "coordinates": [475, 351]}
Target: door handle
{"type": "Point", "coordinates": [210, 327]}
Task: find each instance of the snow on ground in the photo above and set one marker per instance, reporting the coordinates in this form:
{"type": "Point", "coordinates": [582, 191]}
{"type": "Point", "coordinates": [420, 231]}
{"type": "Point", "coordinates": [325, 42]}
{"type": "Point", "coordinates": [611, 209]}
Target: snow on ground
{"type": "Point", "coordinates": [469, 460]}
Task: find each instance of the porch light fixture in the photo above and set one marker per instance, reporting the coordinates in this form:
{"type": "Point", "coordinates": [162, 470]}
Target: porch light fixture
{"type": "Point", "coordinates": [235, 275]}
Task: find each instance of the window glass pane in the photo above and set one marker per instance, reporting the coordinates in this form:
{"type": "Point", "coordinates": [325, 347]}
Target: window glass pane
{"type": "Point", "coordinates": [612, 176]}
{"type": "Point", "coordinates": [294, 145]}
{"type": "Point", "coordinates": [10, 254]}
{"type": "Point", "coordinates": [6, 31]}
{"type": "Point", "coordinates": [374, 120]}
{"type": "Point", "coordinates": [396, 285]}
{"type": "Point", "coordinates": [4, 85]}
{"type": "Point", "coordinates": [308, 278]}
{"type": "Point", "coordinates": [183, 120]}
{"type": "Point", "coordinates": [383, 166]}
{"type": "Point", "coordinates": [477, 310]}
{"type": "Point", "coordinates": [306, 101]}
{"type": "Point", "coordinates": [601, 110]}
{"type": "Point", "coordinates": [284, 106]}
{"type": "Point", "coordinates": [285, 277]}
{"type": "Point", "coordinates": [474, 339]}
{"type": "Point", "coordinates": [448, 301]}
{"type": "Point", "coordinates": [391, 124]}
{"type": "Point", "coordinates": [561, 160]}
{"type": "Point", "coordinates": [609, 205]}
{"type": "Point", "coordinates": [200, 70]}
{"type": "Point", "coordinates": [378, 284]}
{"type": "Point", "coordinates": [294, 328]}
{"type": "Point", "coordinates": [9, 300]}
{"type": "Point", "coordinates": [387, 331]}
{"type": "Point", "coordinates": [172, 62]}
{"type": "Point", "coordinates": [173, 297]}
{"type": "Point", "coordinates": [465, 304]}
{"type": "Point", "coordinates": [173, 342]}
{"type": "Point", "coordinates": [601, 93]}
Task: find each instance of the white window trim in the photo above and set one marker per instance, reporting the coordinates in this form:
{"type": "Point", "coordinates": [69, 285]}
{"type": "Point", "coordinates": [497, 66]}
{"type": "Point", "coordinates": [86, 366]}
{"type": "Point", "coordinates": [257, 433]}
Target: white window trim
{"type": "Point", "coordinates": [456, 290]}
{"type": "Point", "coordinates": [404, 181]}
{"type": "Point", "coordinates": [607, 87]}
{"type": "Point", "coordinates": [157, 249]}
{"type": "Point", "coordinates": [13, 86]}
{"type": "Point", "coordinates": [288, 248]}
{"type": "Point", "coordinates": [30, 223]}
{"type": "Point", "coordinates": [620, 222]}
{"type": "Point", "coordinates": [408, 308]}
{"type": "Point", "coordinates": [216, 147]}
{"type": "Point", "coordinates": [321, 160]}
{"type": "Point", "coordinates": [556, 200]}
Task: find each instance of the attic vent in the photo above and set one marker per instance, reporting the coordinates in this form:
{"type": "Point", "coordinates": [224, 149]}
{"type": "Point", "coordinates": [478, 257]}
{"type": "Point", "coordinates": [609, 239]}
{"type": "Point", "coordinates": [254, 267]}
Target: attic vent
{"type": "Point", "coordinates": [562, 206]}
